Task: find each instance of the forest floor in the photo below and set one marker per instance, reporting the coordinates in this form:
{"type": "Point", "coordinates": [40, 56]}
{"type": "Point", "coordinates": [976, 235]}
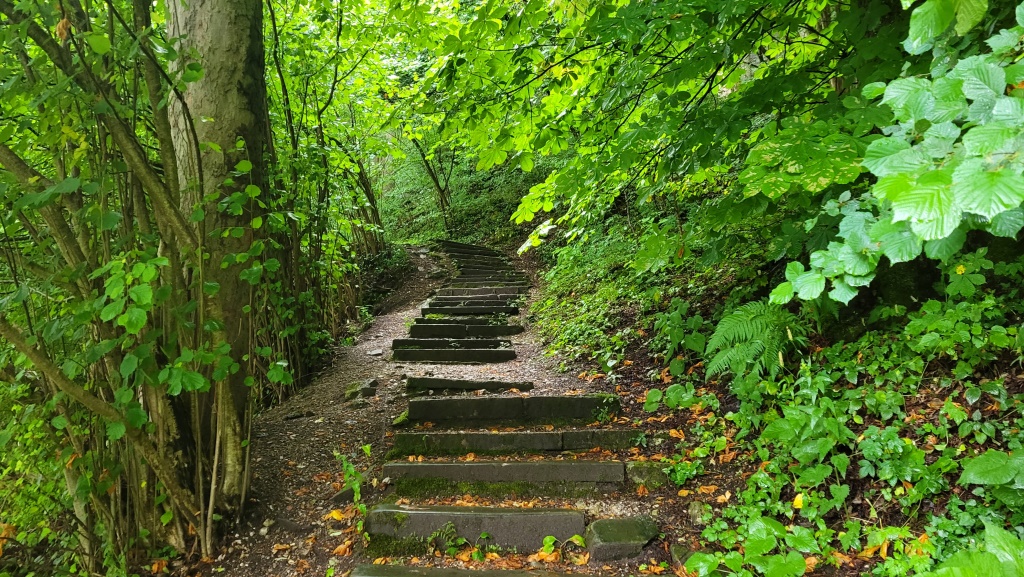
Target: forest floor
{"type": "Point", "coordinates": [295, 525]}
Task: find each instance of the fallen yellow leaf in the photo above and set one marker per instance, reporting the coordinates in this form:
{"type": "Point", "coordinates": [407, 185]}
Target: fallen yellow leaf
{"type": "Point", "coordinates": [380, 560]}
{"type": "Point", "coordinates": [798, 501]}
{"type": "Point", "coordinates": [343, 550]}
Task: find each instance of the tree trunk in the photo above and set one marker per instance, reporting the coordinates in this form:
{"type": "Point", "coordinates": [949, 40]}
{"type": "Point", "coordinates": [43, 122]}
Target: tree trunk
{"type": "Point", "coordinates": [228, 106]}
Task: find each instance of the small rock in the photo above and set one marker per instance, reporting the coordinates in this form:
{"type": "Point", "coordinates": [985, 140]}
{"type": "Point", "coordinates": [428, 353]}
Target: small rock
{"type": "Point", "coordinates": [375, 352]}
{"type": "Point", "coordinates": [359, 403]}
{"type": "Point", "coordinates": [419, 268]}
{"type": "Point", "coordinates": [680, 553]}
{"type": "Point", "coordinates": [422, 256]}
{"type": "Point", "coordinates": [610, 539]}
{"type": "Point", "coordinates": [346, 495]}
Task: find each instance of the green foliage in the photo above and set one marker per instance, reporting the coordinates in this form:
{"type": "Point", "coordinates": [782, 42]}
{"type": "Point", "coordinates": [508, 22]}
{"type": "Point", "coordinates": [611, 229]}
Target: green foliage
{"type": "Point", "coordinates": [754, 338]}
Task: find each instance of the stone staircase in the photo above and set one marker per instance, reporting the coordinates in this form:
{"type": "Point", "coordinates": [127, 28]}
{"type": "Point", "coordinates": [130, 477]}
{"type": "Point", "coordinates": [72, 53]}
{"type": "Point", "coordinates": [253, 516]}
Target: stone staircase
{"type": "Point", "coordinates": [490, 437]}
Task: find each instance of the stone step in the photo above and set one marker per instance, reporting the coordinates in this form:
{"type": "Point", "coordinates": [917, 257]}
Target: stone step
{"type": "Point", "coordinates": [462, 331]}
{"type": "Point", "coordinates": [451, 344]}
{"type": "Point", "coordinates": [481, 291]}
{"type": "Point", "coordinates": [468, 252]}
{"type": "Point", "coordinates": [440, 384]}
{"type": "Point", "coordinates": [496, 274]}
{"type": "Point", "coordinates": [481, 260]}
{"type": "Point", "coordinates": [440, 443]}
{"type": "Point", "coordinates": [470, 310]}
{"type": "Point", "coordinates": [454, 355]}
{"type": "Point", "coordinates": [457, 244]}
{"type": "Point", "coordinates": [535, 472]}
{"type": "Point", "coordinates": [468, 268]}
{"type": "Point", "coordinates": [530, 409]}
{"type": "Point", "coordinates": [447, 320]}
{"type": "Point", "coordinates": [468, 249]}
{"type": "Point", "coordinates": [477, 298]}
{"type": "Point", "coordinates": [444, 302]}
{"type": "Point", "coordinates": [522, 285]}
{"type": "Point", "coordinates": [523, 529]}
{"type": "Point", "coordinates": [403, 571]}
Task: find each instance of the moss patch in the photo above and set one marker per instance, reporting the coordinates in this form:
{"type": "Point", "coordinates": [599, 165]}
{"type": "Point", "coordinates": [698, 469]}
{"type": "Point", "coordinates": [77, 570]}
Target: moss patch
{"type": "Point", "coordinates": [422, 488]}
{"type": "Point", "coordinates": [387, 546]}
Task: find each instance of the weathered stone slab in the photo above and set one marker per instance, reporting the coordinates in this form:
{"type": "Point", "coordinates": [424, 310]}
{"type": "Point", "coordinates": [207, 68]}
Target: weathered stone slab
{"type": "Point", "coordinates": [610, 539]}
{"type": "Point", "coordinates": [456, 283]}
{"type": "Point", "coordinates": [489, 310]}
{"type": "Point", "coordinates": [448, 302]}
{"type": "Point", "coordinates": [500, 291]}
{"type": "Point", "coordinates": [438, 384]}
{"type": "Point", "coordinates": [475, 300]}
{"type": "Point", "coordinates": [587, 407]}
{"type": "Point", "coordinates": [523, 529]}
{"type": "Point", "coordinates": [454, 443]}
{"type": "Point", "coordinates": [450, 319]}
{"type": "Point", "coordinates": [500, 471]}
{"type": "Point", "coordinates": [441, 443]}
{"type": "Point", "coordinates": [650, 474]}
{"type": "Point", "coordinates": [613, 439]}
{"type": "Point", "coordinates": [403, 571]}
{"type": "Point", "coordinates": [462, 331]}
{"type": "Point", "coordinates": [465, 409]}
{"type": "Point", "coordinates": [454, 355]}
{"type": "Point", "coordinates": [451, 344]}
{"type": "Point", "coordinates": [543, 408]}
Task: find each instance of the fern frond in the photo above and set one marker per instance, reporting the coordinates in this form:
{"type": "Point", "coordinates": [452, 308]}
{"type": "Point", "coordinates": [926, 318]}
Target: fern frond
{"type": "Point", "coordinates": [752, 338]}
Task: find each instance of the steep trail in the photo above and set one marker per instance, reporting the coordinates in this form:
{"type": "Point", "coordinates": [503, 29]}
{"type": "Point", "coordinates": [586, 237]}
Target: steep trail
{"type": "Point", "coordinates": [513, 435]}
{"type": "Point", "coordinates": [500, 441]}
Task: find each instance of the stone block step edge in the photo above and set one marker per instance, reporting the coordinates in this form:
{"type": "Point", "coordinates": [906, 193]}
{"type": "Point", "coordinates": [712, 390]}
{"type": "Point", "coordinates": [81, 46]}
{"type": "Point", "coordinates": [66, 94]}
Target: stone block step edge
{"type": "Point", "coordinates": [535, 472]}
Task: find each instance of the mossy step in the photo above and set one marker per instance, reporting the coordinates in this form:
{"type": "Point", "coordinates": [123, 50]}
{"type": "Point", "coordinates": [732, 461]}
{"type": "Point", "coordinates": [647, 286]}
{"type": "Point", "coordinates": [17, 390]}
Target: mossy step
{"type": "Point", "coordinates": [541, 408]}
{"type": "Point", "coordinates": [445, 302]}
{"type": "Point", "coordinates": [482, 260]}
{"type": "Point", "coordinates": [470, 310]}
{"type": "Point", "coordinates": [447, 320]}
{"type": "Point", "coordinates": [501, 297]}
{"type": "Point", "coordinates": [439, 384]}
{"type": "Point", "coordinates": [454, 355]}
{"type": "Point", "coordinates": [441, 443]}
{"type": "Point", "coordinates": [460, 331]}
{"type": "Point", "coordinates": [517, 284]}
{"type": "Point", "coordinates": [451, 344]}
{"type": "Point", "coordinates": [523, 529]}
{"type": "Point", "coordinates": [485, 269]}
{"type": "Point", "coordinates": [403, 571]}
{"type": "Point", "coordinates": [495, 274]}
{"type": "Point", "coordinates": [445, 292]}
{"type": "Point", "coordinates": [537, 472]}
{"type": "Point", "coordinates": [456, 244]}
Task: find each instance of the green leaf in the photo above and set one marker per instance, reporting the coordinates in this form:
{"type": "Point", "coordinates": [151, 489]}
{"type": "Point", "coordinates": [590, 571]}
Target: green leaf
{"type": "Point", "coordinates": [1007, 224]}
{"type": "Point", "coordinates": [873, 90]}
{"type": "Point", "coordinates": [982, 79]}
{"type": "Point", "coordinates": [992, 138]}
{"type": "Point", "coordinates": [943, 248]}
{"type": "Point", "coordinates": [128, 365]}
{"type": "Point", "coordinates": [1009, 549]}
{"type": "Point", "coordinates": [112, 310]}
{"type": "Point", "coordinates": [703, 564]}
{"type": "Point", "coordinates": [927, 203]}
{"type": "Point", "coordinates": [193, 381]}
{"type": "Point", "coordinates": [888, 156]}
{"type": "Point", "coordinates": [142, 294]}
{"type": "Point", "coordinates": [166, 517]}
{"type": "Point", "coordinates": [243, 166]}
{"type": "Point", "coordinates": [985, 192]}
{"type": "Point", "coordinates": [841, 291]}
{"type": "Point", "coordinates": [809, 285]}
{"type": "Point", "coordinates": [782, 294]}
{"type": "Point", "coordinates": [133, 320]}
{"type": "Point", "coordinates": [990, 468]}
{"type": "Point", "coordinates": [926, 22]}
{"type": "Point", "coordinates": [116, 430]}
{"type": "Point", "coordinates": [526, 162]}
{"type": "Point", "coordinates": [59, 422]}
{"type": "Point", "coordinates": [968, 14]}
{"type": "Point", "coordinates": [790, 565]}
{"type": "Point", "coordinates": [98, 42]}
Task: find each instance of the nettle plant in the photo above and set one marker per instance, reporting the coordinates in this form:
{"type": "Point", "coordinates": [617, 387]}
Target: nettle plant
{"type": "Point", "coordinates": [949, 161]}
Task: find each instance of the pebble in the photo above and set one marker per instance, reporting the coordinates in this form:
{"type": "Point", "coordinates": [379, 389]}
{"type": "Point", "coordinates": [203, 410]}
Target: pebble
{"type": "Point", "coordinates": [375, 352]}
